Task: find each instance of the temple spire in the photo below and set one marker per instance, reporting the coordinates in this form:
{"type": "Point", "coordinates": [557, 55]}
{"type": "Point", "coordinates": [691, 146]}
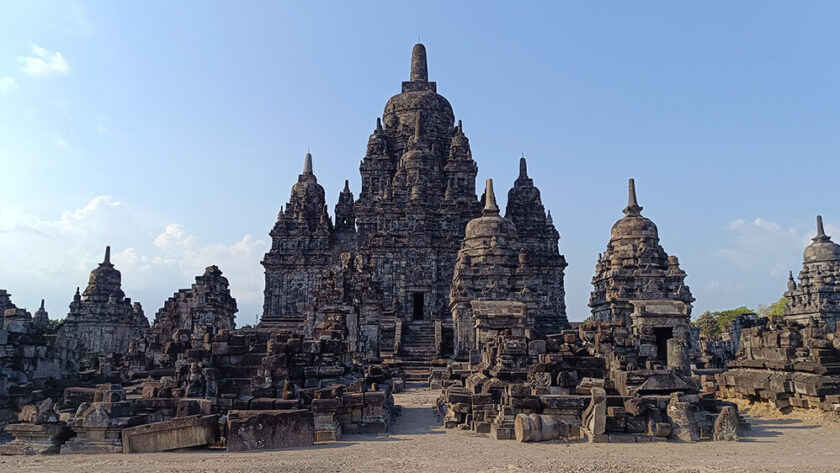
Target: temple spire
{"type": "Point", "coordinates": [346, 186]}
{"type": "Point", "coordinates": [107, 260]}
{"type": "Point", "coordinates": [523, 168]}
{"type": "Point", "coordinates": [307, 163]}
{"type": "Point", "coordinates": [490, 207]}
{"type": "Point", "coordinates": [633, 209]}
{"type": "Point", "coordinates": [419, 71]}
{"type": "Point", "coordinates": [821, 236]}
{"type": "Point", "coordinates": [378, 124]}
{"type": "Point", "coordinates": [42, 305]}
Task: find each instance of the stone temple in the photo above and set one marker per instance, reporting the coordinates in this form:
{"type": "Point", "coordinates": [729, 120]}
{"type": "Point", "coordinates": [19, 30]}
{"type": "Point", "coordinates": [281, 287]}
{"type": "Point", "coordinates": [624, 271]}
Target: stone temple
{"type": "Point", "coordinates": [817, 295]}
{"type": "Point", "coordinates": [637, 283]}
{"type": "Point", "coordinates": [394, 250]}
{"type": "Point", "coordinates": [101, 319]}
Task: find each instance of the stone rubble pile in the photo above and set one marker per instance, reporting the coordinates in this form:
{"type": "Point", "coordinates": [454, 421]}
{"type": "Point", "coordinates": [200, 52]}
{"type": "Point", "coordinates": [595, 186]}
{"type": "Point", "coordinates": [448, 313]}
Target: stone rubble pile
{"type": "Point", "coordinates": [787, 365]}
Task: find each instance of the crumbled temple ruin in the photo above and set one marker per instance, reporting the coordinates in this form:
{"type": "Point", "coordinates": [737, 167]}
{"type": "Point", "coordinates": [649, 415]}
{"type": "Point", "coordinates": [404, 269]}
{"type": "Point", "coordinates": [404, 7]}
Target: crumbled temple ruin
{"type": "Point", "coordinates": [417, 279]}
{"type": "Point", "coordinates": [793, 361]}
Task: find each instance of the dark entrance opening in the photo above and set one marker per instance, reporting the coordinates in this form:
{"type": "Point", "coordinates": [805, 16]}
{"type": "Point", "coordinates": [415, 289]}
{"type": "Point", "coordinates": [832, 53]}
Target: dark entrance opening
{"type": "Point", "coordinates": [418, 306]}
{"type": "Point", "coordinates": [662, 336]}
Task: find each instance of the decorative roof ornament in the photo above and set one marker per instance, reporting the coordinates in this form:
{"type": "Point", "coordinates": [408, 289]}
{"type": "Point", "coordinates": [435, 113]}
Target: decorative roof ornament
{"type": "Point", "coordinates": [419, 70]}
{"type": "Point", "coordinates": [633, 208]}
{"type": "Point", "coordinates": [821, 236]}
{"type": "Point", "coordinates": [307, 164]}
{"type": "Point", "coordinates": [490, 207]}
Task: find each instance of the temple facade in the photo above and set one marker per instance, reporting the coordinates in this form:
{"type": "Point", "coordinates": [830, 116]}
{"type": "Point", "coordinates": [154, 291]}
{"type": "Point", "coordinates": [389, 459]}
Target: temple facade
{"type": "Point", "coordinates": [817, 295]}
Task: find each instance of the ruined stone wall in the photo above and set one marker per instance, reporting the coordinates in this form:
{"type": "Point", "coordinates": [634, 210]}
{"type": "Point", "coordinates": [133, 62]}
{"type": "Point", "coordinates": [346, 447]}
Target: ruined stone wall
{"type": "Point", "coordinates": [189, 315]}
{"type": "Point", "coordinates": [29, 352]}
{"type": "Point", "coordinates": [786, 364]}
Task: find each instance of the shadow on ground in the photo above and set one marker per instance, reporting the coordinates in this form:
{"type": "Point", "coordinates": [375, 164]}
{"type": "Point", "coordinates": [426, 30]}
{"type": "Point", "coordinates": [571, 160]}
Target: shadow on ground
{"type": "Point", "coordinates": [762, 429]}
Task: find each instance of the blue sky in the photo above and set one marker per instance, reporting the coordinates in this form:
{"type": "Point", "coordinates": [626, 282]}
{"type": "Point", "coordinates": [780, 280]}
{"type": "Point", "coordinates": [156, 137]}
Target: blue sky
{"type": "Point", "coordinates": [173, 131]}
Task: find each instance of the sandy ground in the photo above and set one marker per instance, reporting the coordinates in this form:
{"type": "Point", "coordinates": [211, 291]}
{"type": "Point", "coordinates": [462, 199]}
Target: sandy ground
{"type": "Point", "coordinates": [417, 444]}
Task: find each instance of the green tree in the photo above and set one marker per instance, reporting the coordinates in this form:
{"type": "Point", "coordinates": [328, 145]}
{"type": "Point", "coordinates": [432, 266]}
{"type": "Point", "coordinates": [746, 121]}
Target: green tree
{"type": "Point", "coordinates": [726, 316]}
{"type": "Point", "coordinates": [708, 325]}
{"type": "Point", "coordinates": [775, 309]}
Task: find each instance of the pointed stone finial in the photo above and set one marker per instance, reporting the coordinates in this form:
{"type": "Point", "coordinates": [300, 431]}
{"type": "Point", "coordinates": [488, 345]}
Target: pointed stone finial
{"type": "Point", "coordinates": [490, 207]}
{"type": "Point", "coordinates": [346, 186]}
{"type": "Point", "coordinates": [633, 209]}
{"type": "Point", "coordinates": [523, 168]}
{"type": "Point", "coordinates": [548, 218]}
{"type": "Point", "coordinates": [42, 305]}
{"type": "Point", "coordinates": [307, 163]}
{"type": "Point", "coordinates": [378, 124]}
{"type": "Point", "coordinates": [460, 127]}
{"type": "Point", "coordinates": [821, 236]}
{"type": "Point", "coordinates": [419, 71]}
{"type": "Point", "coordinates": [107, 260]}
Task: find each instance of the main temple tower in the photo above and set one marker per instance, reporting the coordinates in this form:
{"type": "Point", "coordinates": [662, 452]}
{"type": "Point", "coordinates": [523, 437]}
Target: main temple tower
{"type": "Point", "coordinates": [418, 193]}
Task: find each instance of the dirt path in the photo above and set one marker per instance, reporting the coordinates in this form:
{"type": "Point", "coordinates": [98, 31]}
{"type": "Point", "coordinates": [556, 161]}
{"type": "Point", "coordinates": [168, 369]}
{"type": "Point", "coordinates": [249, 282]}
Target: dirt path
{"type": "Point", "coordinates": [417, 444]}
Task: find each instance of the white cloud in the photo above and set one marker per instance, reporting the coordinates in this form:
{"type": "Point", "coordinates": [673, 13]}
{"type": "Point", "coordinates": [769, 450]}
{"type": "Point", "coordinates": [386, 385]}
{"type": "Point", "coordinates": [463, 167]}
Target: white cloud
{"type": "Point", "coordinates": [767, 246]}
{"type": "Point", "coordinates": [7, 84]}
{"type": "Point", "coordinates": [60, 142]}
{"type": "Point", "coordinates": [101, 129]}
{"type": "Point", "coordinates": [44, 63]}
{"type": "Point", "coordinates": [49, 258]}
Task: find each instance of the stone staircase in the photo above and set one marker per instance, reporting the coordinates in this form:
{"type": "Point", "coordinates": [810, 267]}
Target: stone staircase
{"type": "Point", "coordinates": [417, 355]}
{"type": "Point", "coordinates": [418, 342]}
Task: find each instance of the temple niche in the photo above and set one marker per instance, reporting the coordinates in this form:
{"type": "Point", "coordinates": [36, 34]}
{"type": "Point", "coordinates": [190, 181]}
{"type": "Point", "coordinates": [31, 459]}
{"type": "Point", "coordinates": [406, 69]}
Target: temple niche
{"type": "Point", "coordinates": [637, 285]}
{"type": "Point", "coordinates": [817, 295]}
{"type": "Point", "coordinates": [101, 319]}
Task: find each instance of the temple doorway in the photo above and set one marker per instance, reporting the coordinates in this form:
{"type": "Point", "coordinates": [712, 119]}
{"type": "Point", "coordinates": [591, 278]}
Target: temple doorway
{"type": "Point", "coordinates": [418, 306]}
{"type": "Point", "coordinates": [662, 335]}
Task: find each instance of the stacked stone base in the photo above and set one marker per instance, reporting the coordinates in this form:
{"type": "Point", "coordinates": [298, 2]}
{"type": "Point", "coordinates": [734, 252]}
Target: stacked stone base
{"type": "Point", "coordinates": [782, 390]}
{"type": "Point", "coordinates": [33, 439]}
